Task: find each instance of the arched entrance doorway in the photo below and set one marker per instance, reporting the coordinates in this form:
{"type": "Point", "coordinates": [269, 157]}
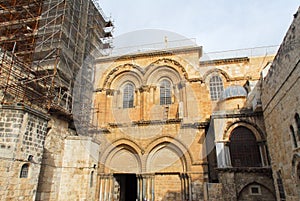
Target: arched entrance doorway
{"type": "Point", "coordinates": [118, 180]}
{"type": "Point", "coordinates": [125, 187]}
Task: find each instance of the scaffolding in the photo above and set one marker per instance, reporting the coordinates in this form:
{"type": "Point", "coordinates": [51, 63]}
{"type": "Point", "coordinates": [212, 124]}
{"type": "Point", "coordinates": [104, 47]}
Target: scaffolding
{"type": "Point", "coordinates": [45, 46]}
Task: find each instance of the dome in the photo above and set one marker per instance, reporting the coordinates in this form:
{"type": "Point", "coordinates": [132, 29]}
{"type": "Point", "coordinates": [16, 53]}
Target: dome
{"type": "Point", "coordinates": [233, 91]}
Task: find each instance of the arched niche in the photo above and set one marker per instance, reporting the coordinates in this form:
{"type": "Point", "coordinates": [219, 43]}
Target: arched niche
{"type": "Point", "coordinates": [255, 191]}
{"type": "Point", "coordinates": [166, 157]}
{"type": "Point", "coordinates": [121, 156]}
{"type": "Point", "coordinates": [124, 161]}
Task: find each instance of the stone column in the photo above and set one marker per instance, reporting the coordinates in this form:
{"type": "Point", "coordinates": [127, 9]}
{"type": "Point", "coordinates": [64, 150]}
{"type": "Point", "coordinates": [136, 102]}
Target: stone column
{"type": "Point", "coordinates": [150, 187]}
{"type": "Point", "coordinates": [263, 154]}
{"type": "Point", "coordinates": [227, 155]}
{"type": "Point", "coordinates": [106, 187]}
{"type": "Point", "coordinates": [146, 187]}
{"type": "Point", "coordinates": [223, 154]}
{"type": "Point", "coordinates": [140, 187]}
{"type": "Point", "coordinates": [144, 91]}
{"type": "Point", "coordinates": [182, 94]}
{"type": "Point", "coordinates": [185, 186]}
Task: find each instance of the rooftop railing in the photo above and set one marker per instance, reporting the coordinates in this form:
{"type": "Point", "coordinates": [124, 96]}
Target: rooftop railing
{"type": "Point", "coordinates": [238, 53]}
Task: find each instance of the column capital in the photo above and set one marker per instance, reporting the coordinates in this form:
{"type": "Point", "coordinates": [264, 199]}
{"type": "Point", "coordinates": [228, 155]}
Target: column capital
{"type": "Point", "coordinates": [144, 88]}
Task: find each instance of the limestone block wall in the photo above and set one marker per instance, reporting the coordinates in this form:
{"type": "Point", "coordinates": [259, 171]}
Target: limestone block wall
{"type": "Point", "coordinates": [281, 102]}
{"type": "Point", "coordinates": [214, 191]}
{"type": "Point", "coordinates": [22, 136]}
{"type": "Point", "coordinates": [236, 185]}
{"type": "Point", "coordinates": [79, 169]}
{"type": "Point", "coordinates": [51, 171]}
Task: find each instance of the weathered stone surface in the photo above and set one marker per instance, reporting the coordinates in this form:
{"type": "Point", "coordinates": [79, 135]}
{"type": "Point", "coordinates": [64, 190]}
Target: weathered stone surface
{"type": "Point", "coordinates": [22, 142]}
{"type": "Point", "coordinates": [281, 102]}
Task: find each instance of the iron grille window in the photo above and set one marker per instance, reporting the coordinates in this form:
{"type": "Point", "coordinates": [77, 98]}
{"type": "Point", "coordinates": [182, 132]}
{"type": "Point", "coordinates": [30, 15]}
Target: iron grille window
{"type": "Point", "coordinates": [128, 96]}
{"type": "Point", "coordinates": [24, 171]}
{"type": "Point", "coordinates": [165, 92]}
{"type": "Point", "coordinates": [280, 186]}
{"type": "Point", "coordinates": [244, 149]}
{"type": "Point", "coordinates": [215, 87]}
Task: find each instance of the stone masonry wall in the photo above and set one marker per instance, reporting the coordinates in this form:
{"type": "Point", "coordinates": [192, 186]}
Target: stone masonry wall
{"type": "Point", "coordinates": [22, 135]}
{"type": "Point", "coordinates": [281, 101]}
{"type": "Point", "coordinates": [79, 171]}
{"type": "Point", "coordinates": [51, 171]}
{"type": "Point", "coordinates": [235, 185]}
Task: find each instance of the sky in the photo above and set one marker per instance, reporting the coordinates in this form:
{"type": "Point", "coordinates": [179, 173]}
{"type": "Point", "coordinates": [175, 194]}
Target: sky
{"type": "Point", "coordinates": [216, 25]}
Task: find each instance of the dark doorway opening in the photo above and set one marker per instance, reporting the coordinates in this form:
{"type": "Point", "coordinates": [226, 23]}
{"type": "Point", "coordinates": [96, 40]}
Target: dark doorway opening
{"type": "Point", "coordinates": [128, 186]}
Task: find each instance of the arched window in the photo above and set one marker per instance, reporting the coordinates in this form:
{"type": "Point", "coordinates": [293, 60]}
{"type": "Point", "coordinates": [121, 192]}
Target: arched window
{"type": "Point", "coordinates": [128, 96]}
{"type": "Point", "coordinates": [298, 173]}
{"type": "Point", "coordinates": [215, 87]}
{"type": "Point", "coordinates": [244, 150]}
{"type": "Point", "coordinates": [165, 92]}
{"type": "Point", "coordinates": [293, 136]}
{"type": "Point", "coordinates": [24, 171]}
{"type": "Point", "coordinates": [280, 186]}
{"type": "Point", "coordinates": [297, 119]}
{"type": "Point", "coordinates": [92, 179]}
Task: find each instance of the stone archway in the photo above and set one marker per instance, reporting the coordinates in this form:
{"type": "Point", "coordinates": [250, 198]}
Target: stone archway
{"type": "Point", "coordinates": [167, 162]}
{"type": "Point", "coordinates": [256, 191]}
{"type": "Point", "coordinates": [119, 177]}
{"type": "Point", "coordinates": [124, 160]}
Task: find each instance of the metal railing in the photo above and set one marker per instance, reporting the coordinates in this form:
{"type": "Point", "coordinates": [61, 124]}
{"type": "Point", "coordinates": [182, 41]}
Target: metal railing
{"type": "Point", "coordinates": [238, 53]}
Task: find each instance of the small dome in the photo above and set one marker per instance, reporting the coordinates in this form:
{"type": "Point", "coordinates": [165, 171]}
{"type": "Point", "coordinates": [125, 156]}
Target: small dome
{"type": "Point", "coordinates": [233, 91]}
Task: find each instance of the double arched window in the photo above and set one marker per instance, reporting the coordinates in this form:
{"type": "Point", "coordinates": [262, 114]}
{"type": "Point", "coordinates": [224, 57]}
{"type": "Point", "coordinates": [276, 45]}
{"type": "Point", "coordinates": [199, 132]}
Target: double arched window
{"type": "Point", "coordinates": [215, 87]}
{"type": "Point", "coordinates": [128, 95]}
{"type": "Point", "coordinates": [244, 150]}
{"type": "Point", "coordinates": [165, 92]}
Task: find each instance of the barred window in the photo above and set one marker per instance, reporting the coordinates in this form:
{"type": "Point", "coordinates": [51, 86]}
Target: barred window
{"type": "Point", "coordinates": [128, 96]}
{"type": "Point", "coordinates": [215, 87]}
{"type": "Point", "coordinates": [165, 92]}
{"type": "Point", "coordinates": [280, 186]}
{"type": "Point", "coordinates": [24, 171]}
{"type": "Point", "coordinates": [244, 150]}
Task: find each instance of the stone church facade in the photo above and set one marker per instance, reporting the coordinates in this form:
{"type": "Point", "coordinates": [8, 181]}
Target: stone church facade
{"type": "Point", "coordinates": [166, 125]}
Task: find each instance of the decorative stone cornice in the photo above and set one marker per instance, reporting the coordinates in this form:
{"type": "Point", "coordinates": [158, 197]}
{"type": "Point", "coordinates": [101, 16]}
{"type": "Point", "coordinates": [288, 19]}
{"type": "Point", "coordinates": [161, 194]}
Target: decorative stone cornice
{"type": "Point", "coordinates": [236, 114]}
{"type": "Point", "coordinates": [267, 170]}
{"type": "Point", "coordinates": [165, 52]}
